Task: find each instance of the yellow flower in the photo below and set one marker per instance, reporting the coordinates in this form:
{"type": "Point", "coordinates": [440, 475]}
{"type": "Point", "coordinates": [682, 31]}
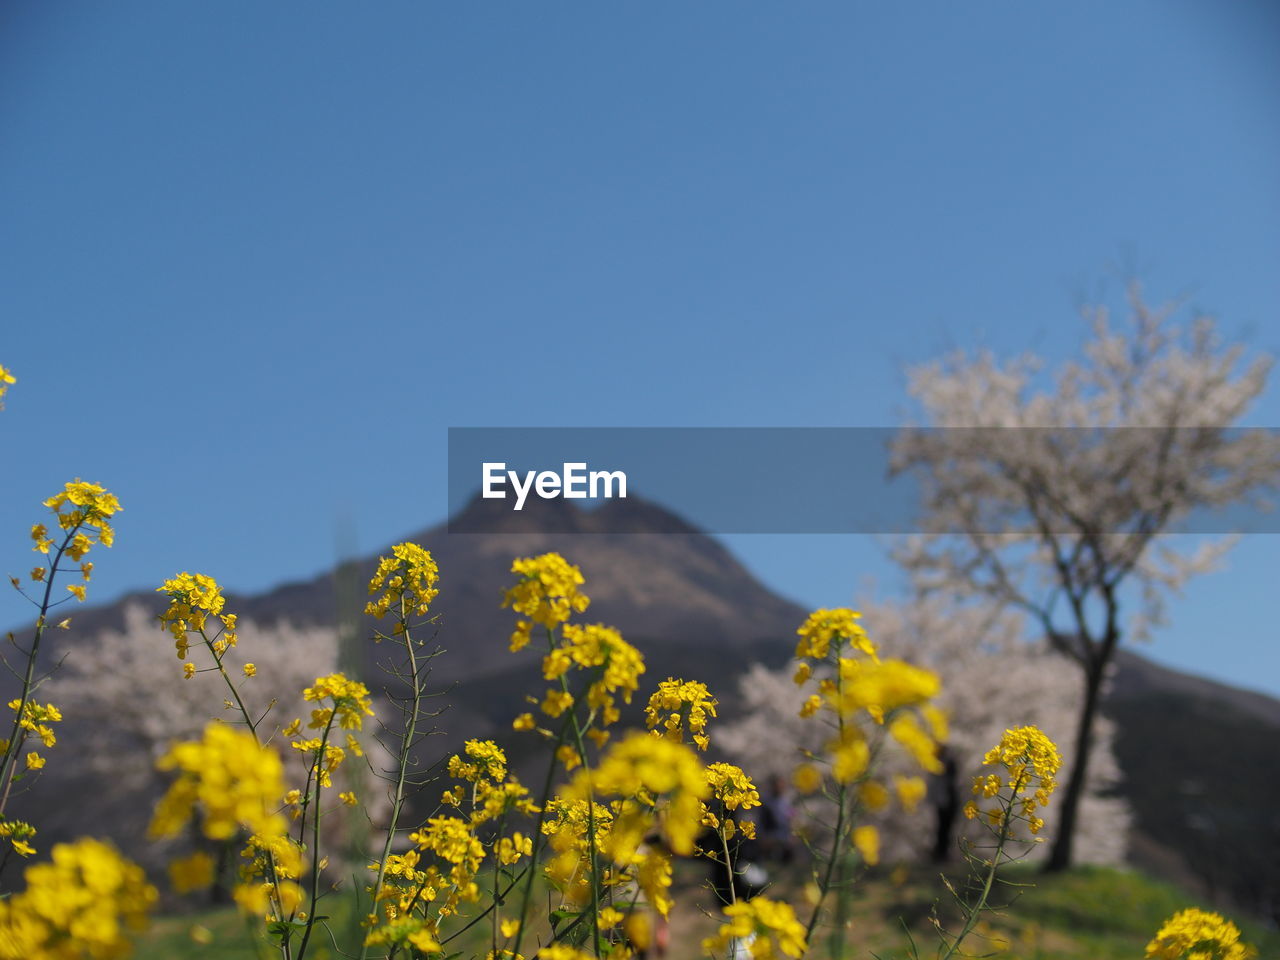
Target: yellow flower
{"type": "Point", "coordinates": [250, 670]}
{"type": "Point", "coordinates": [908, 732]}
{"type": "Point", "coordinates": [35, 761]}
{"type": "Point", "coordinates": [193, 598]}
{"type": "Point", "coordinates": [523, 722]}
{"type": "Point", "coordinates": [188, 670]}
{"type": "Point", "coordinates": [732, 787]}
{"type": "Point", "coordinates": [910, 790]}
{"type": "Point", "coordinates": [681, 707]}
{"type": "Point", "coordinates": [562, 951]}
{"type": "Point", "coordinates": [1198, 935]}
{"type": "Point", "coordinates": [77, 590]}
{"type": "Point", "coordinates": [512, 848]}
{"type": "Point", "coordinates": [556, 702]}
{"type": "Point", "coordinates": [82, 510]}
{"type": "Point", "coordinates": [616, 664]}
{"type": "Point", "coordinates": [194, 872]}
{"type": "Point", "coordinates": [351, 702]}
{"type": "Point", "coordinates": [18, 832]}
{"type": "Point", "coordinates": [6, 378]}
{"type": "Point", "coordinates": [655, 770]}
{"type": "Point", "coordinates": [35, 719]}
{"type": "Point", "coordinates": [873, 794]}
{"type": "Point", "coordinates": [227, 778]}
{"type": "Point", "coordinates": [407, 580]}
{"type": "Point", "coordinates": [850, 756]}
{"type": "Point", "coordinates": [87, 901]}
{"type": "Point", "coordinates": [807, 779]}
{"type": "Point", "coordinates": [485, 760]}
{"type": "Point", "coordinates": [881, 688]}
{"type": "Point", "coordinates": [866, 840]}
{"type": "Point", "coordinates": [768, 928]}
{"type": "Point", "coordinates": [348, 798]}
{"type": "Point", "coordinates": [452, 841]}
{"type": "Point", "coordinates": [1030, 761]}
{"type": "Point", "coordinates": [824, 628]}
{"type": "Point", "coordinates": [521, 636]}
{"type": "Point", "coordinates": [548, 590]}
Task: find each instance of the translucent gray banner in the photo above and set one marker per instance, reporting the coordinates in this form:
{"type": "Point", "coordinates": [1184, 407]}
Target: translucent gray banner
{"type": "Point", "coordinates": [1200, 480]}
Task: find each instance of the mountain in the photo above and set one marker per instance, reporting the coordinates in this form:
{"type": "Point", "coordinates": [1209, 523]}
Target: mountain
{"type": "Point", "coordinates": [665, 585]}
{"type": "Point", "coordinates": [1201, 762]}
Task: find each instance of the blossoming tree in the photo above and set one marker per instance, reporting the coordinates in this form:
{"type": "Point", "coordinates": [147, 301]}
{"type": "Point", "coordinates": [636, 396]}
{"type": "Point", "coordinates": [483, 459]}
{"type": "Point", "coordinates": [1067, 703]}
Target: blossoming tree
{"type": "Point", "coordinates": [1055, 500]}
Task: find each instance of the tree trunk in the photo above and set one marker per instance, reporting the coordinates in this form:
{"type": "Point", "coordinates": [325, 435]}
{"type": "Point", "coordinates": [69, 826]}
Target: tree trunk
{"type": "Point", "coordinates": [1060, 855]}
{"type": "Point", "coordinates": [948, 809]}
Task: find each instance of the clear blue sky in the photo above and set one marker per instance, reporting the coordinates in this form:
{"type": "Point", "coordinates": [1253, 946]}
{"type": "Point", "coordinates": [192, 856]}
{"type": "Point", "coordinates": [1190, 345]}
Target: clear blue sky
{"type": "Point", "coordinates": [258, 256]}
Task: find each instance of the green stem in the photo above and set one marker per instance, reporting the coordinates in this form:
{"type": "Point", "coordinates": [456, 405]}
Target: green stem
{"type": "Point", "coordinates": [315, 840]}
{"type": "Point", "coordinates": [591, 831]}
{"type": "Point", "coordinates": [728, 864]}
{"type": "Point", "coordinates": [527, 895]}
{"type": "Point", "coordinates": [402, 773]}
{"type": "Point", "coordinates": [16, 740]}
{"type": "Point", "coordinates": [975, 912]}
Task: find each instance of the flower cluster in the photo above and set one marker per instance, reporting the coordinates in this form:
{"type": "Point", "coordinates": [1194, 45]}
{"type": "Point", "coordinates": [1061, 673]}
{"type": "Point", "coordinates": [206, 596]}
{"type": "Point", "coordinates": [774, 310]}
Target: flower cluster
{"type": "Point", "coordinates": [1198, 935]}
{"type": "Point", "coordinates": [268, 884]}
{"type": "Point", "coordinates": [485, 760]}
{"type": "Point", "coordinates": [767, 928]}
{"type": "Point", "coordinates": [193, 599]}
{"type": "Point", "coordinates": [570, 824]}
{"type": "Point", "coordinates": [643, 771]}
{"type": "Point", "coordinates": [459, 851]}
{"type": "Point", "coordinates": [18, 832]}
{"type": "Point", "coordinates": [225, 777]}
{"type": "Point", "coordinates": [87, 901]}
{"type": "Point", "coordinates": [615, 665]}
{"type": "Point", "coordinates": [679, 709]}
{"type": "Point", "coordinates": [407, 581]}
{"type": "Point", "coordinates": [853, 686]}
{"type": "Point", "coordinates": [82, 511]}
{"type": "Point", "coordinates": [349, 702]}
{"type": "Point", "coordinates": [547, 594]}
{"type": "Point", "coordinates": [733, 790]}
{"type": "Point", "coordinates": [825, 629]}
{"type": "Point", "coordinates": [6, 379]}
{"type": "Point", "coordinates": [35, 720]}
{"type": "Point", "coordinates": [1030, 761]}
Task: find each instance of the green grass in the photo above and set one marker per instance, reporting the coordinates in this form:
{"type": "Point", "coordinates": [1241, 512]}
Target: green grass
{"type": "Point", "coordinates": [1090, 913]}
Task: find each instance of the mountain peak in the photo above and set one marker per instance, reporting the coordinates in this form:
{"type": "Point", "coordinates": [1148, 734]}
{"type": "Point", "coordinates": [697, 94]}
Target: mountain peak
{"type": "Point", "coordinates": [629, 515]}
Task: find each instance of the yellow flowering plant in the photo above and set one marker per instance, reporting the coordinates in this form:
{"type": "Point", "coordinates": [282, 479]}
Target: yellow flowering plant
{"type": "Point", "coordinates": [86, 899]}
{"type": "Point", "coordinates": [612, 811]}
{"type": "Point", "coordinates": [1194, 934]}
{"type": "Point", "coordinates": [81, 514]}
{"type": "Point", "coordinates": [864, 703]}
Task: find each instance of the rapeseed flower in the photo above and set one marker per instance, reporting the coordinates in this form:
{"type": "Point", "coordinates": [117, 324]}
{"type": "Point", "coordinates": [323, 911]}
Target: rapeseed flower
{"type": "Point", "coordinates": [767, 928]}
{"type": "Point", "coordinates": [679, 709]}
{"type": "Point", "coordinates": [1198, 935]}
{"type": "Point", "coordinates": [1031, 761]}
{"type": "Point", "coordinates": [227, 780]}
{"type": "Point", "coordinates": [828, 629]}
{"type": "Point", "coordinates": [87, 901]}
{"type": "Point", "coordinates": [547, 593]}
{"type": "Point", "coordinates": [407, 580]}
